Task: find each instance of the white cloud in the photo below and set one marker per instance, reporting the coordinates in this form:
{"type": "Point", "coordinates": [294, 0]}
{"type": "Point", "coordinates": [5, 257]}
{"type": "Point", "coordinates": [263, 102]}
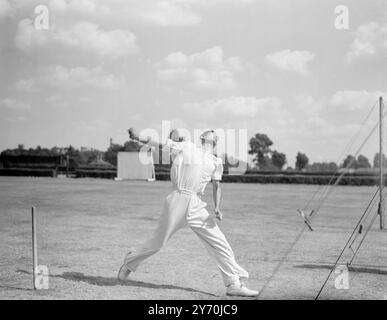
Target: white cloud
{"type": "Point", "coordinates": [14, 104]}
{"type": "Point", "coordinates": [71, 78]}
{"type": "Point", "coordinates": [208, 69]}
{"type": "Point", "coordinates": [156, 12]}
{"type": "Point", "coordinates": [57, 101]}
{"type": "Point", "coordinates": [25, 85]}
{"type": "Point", "coordinates": [164, 13]}
{"type": "Point", "coordinates": [309, 105]}
{"type": "Point", "coordinates": [354, 100]}
{"type": "Point", "coordinates": [17, 119]}
{"type": "Point", "coordinates": [73, 7]}
{"type": "Point", "coordinates": [91, 126]}
{"type": "Point", "coordinates": [369, 39]}
{"type": "Point", "coordinates": [170, 13]}
{"type": "Point", "coordinates": [85, 36]}
{"type": "Point", "coordinates": [236, 107]}
{"type": "Point", "coordinates": [292, 61]}
{"type": "Point", "coordinates": [5, 9]}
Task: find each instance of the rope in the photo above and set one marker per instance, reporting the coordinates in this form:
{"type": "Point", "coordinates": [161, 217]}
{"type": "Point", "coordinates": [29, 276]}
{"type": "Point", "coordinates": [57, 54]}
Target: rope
{"type": "Point", "coordinates": [364, 236]}
{"type": "Point", "coordinates": [300, 233]}
{"type": "Point", "coordinates": [345, 247]}
{"type": "Point", "coordinates": [346, 150]}
{"type": "Point", "coordinates": [349, 164]}
{"type": "Point", "coordinates": [278, 266]}
{"type": "Point", "coordinates": [360, 228]}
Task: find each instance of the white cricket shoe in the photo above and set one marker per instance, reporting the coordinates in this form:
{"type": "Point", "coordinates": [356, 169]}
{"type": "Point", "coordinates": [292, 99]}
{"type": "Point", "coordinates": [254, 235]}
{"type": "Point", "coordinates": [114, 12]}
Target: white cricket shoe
{"type": "Point", "coordinates": [124, 273]}
{"type": "Point", "coordinates": [240, 290]}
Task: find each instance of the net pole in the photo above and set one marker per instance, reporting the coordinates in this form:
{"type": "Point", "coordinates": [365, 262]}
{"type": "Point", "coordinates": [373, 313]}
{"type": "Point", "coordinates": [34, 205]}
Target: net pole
{"type": "Point", "coordinates": [381, 165]}
{"type": "Point", "coordinates": [34, 247]}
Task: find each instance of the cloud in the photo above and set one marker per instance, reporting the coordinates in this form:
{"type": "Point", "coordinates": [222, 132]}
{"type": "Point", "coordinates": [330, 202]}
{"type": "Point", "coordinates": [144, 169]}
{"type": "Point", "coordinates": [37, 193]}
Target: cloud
{"type": "Point", "coordinates": [90, 126]}
{"type": "Point", "coordinates": [291, 61]}
{"type": "Point", "coordinates": [96, 130]}
{"type": "Point", "coordinates": [84, 36]}
{"type": "Point", "coordinates": [369, 40]}
{"type": "Point", "coordinates": [156, 12]}
{"type": "Point", "coordinates": [5, 9]}
{"type": "Point", "coordinates": [85, 7]}
{"type": "Point", "coordinates": [355, 100]}
{"type": "Point", "coordinates": [17, 119]}
{"type": "Point", "coordinates": [57, 101]}
{"type": "Point", "coordinates": [163, 13]}
{"type": "Point", "coordinates": [207, 70]}
{"type": "Point", "coordinates": [236, 107]}
{"type": "Point", "coordinates": [70, 78]}
{"type": "Point", "coordinates": [171, 13]}
{"type": "Point", "coordinates": [25, 85]}
{"type": "Point", "coordinates": [13, 104]}
{"type": "Point", "coordinates": [309, 105]}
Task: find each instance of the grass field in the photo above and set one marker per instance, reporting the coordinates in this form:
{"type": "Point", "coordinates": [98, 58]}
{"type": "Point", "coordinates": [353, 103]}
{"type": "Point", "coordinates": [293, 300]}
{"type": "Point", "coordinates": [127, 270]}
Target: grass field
{"type": "Point", "coordinates": [86, 226]}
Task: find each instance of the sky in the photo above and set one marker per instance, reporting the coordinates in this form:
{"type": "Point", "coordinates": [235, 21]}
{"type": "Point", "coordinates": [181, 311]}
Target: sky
{"type": "Point", "coordinates": [282, 68]}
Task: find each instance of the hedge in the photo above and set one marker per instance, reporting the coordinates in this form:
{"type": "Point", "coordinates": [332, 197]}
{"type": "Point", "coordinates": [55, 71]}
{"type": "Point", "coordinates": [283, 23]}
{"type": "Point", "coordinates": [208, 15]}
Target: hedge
{"type": "Point", "coordinates": [291, 179]}
{"type": "Point", "coordinates": [104, 174]}
{"type": "Point", "coordinates": [301, 179]}
{"type": "Point", "coordinates": [357, 173]}
{"type": "Point", "coordinates": [257, 177]}
{"type": "Point", "coordinates": [95, 167]}
{"type": "Point", "coordinates": [45, 166]}
{"type": "Point", "coordinates": [19, 172]}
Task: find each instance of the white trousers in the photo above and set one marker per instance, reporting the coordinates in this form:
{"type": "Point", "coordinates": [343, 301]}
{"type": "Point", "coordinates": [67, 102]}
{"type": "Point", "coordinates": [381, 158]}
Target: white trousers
{"type": "Point", "coordinates": [182, 209]}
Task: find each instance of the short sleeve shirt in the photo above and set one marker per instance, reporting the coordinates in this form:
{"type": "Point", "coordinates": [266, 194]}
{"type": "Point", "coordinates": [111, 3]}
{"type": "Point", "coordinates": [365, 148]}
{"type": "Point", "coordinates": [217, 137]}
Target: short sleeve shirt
{"type": "Point", "coordinates": [193, 167]}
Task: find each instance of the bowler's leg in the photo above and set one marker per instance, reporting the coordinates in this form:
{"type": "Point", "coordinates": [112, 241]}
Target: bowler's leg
{"type": "Point", "coordinates": [171, 220]}
{"type": "Point", "coordinates": [213, 238]}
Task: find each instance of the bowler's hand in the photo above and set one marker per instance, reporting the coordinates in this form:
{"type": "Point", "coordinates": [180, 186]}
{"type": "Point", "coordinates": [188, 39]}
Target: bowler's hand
{"type": "Point", "coordinates": [132, 134]}
{"type": "Point", "coordinates": [218, 214]}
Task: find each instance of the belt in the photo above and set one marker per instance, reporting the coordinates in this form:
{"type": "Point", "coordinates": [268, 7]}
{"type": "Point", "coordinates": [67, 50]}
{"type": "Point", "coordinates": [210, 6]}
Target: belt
{"type": "Point", "coordinates": [186, 191]}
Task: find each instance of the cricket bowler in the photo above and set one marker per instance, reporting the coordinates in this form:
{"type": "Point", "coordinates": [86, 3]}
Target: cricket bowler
{"type": "Point", "coordinates": [192, 168]}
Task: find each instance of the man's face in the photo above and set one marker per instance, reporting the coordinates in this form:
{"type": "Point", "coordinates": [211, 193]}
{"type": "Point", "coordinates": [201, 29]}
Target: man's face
{"type": "Point", "coordinates": [175, 135]}
{"type": "Point", "coordinates": [209, 145]}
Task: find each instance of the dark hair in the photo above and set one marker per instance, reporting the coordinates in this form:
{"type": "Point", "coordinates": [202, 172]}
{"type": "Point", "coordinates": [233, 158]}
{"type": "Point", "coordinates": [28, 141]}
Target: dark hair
{"type": "Point", "coordinates": [170, 135]}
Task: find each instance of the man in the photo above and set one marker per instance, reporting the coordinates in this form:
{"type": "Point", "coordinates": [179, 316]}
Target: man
{"type": "Point", "coordinates": [192, 168]}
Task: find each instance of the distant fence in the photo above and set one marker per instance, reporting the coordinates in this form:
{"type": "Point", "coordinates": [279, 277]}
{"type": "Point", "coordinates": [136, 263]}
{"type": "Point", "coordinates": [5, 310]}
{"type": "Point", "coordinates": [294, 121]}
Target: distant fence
{"type": "Point", "coordinates": [263, 177]}
{"type": "Point", "coordinates": [27, 161]}
{"type": "Point", "coordinates": [27, 172]}
{"type": "Point", "coordinates": [352, 180]}
{"type": "Point", "coordinates": [325, 178]}
{"type": "Point", "coordinates": [102, 174]}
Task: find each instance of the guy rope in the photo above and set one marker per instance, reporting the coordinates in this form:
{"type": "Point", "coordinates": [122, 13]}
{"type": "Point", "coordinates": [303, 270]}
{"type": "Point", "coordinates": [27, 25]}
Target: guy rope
{"type": "Point", "coordinates": [334, 181]}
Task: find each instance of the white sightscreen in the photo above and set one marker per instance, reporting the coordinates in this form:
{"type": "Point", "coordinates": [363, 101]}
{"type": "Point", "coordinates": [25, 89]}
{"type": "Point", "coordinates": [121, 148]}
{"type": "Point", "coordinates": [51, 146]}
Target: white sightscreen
{"type": "Point", "coordinates": [133, 166]}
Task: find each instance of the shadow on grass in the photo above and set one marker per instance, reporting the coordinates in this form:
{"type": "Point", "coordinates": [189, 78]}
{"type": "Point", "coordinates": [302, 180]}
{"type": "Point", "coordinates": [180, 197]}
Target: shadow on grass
{"type": "Point", "coordinates": [16, 288]}
{"type": "Point", "coordinates": [350, 268]}
{"type": "Point", "coordinates": [109, 282]}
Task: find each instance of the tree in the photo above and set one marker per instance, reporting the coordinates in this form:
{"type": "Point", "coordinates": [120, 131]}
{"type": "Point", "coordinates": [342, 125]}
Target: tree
{"type": "Point", "coordinates": [111, 153]}
{"type": "Point", "coordinates": [376, 160]}
{"type": "Point", "coordinates": [322, 167]}
{"type": "Point", "coordinates": [260, 147]}
{"type": "Point", "coordinates": [278, 159]}
{"type": "Point", "coordinates": [363, 162]}
{"type": "Point", "coordinates": [301, 161]}
{"type": "Point", "coordinates": [350, 162]}
{"type": "Point", "coordinates": [132, 146]}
